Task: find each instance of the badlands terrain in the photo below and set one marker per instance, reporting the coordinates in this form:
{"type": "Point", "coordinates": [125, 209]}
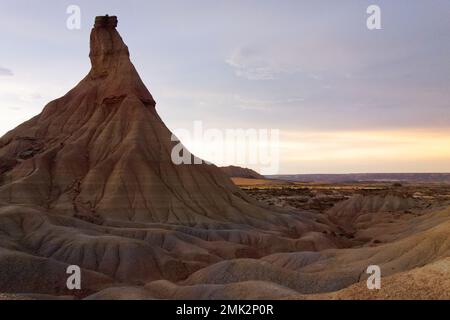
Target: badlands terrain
{"type": "Point", "coordinates": [90, 182]}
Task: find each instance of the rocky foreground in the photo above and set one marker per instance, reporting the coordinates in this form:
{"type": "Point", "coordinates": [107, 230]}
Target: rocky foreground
{"type": "Point", "coordinates": [90, 182]}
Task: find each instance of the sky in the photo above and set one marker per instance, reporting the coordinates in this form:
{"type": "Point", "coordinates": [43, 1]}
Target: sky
{"type": "Point", "coordinates": [344, 98]}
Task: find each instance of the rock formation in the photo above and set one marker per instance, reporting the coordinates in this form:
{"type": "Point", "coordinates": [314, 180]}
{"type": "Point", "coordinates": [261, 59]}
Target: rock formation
{"type": "Point", "coordinates": [102, 152]}
{"type": "Point", "coordinates": [239, 172]}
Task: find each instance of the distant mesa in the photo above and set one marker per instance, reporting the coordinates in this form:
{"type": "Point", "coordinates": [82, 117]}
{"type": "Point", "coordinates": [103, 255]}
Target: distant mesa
{"type": "Point", "coordinates": [239, 172]}
{"type": "Point", "coordinates": [366, 177]}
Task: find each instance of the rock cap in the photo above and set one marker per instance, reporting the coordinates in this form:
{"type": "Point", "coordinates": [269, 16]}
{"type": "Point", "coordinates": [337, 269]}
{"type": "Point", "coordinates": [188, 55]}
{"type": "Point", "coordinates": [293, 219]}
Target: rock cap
{"type": "Point", "coordinates": [105, 21]}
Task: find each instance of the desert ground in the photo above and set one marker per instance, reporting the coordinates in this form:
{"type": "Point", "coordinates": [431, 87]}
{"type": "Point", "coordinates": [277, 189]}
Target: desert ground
{"type": "Point", "coordinates": [90, 182]}
{"type": "Point", "coordinates": [401, 227]}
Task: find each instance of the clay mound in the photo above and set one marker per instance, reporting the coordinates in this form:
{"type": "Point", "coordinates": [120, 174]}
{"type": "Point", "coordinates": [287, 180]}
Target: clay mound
{"type": "Point", "coordinates": [241, 270]}
{"type": "Point", "coordinates": [239, 172]}
{"type": "Point", "coordinates": [26, 273]}
{"type": "Point", "coordinates": [362, 211]}
{"type": "Point", "coordinates": [5, 296]}
{"type": "Point", "coordinates": [333, 269]}
{"type": "Point", "coordinates": [293, 260]}
{"type": "Point", "coordinates": [250, 290]}
{"type": "Point", "coordinates": [386, 228]}
{"type": "Point", "coordinates": [280, 275]}
{"type": "Point", "coordinates": [410, 252]}
{"type": "Point", "coordinates": [431, 282]}
{"type": "Point", "coordinates": [122, 293]}
{"type": "Point", "coordinates": [247, 290]}
{"type": "Point", "coordinates": [360, 204]}
{"type": "Point", "coordinates": [54, 246]}
{"type": "Point", "coordinates": [411, 275]}
{"type": "Point", "coordinates": [428, 282]}
{"type": "Point", "coordinates": [129, 253]}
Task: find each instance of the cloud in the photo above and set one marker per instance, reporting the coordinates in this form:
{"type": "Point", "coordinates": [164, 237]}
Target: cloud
{"type": "Point", "coordinates": [254, 63]}
{"type": "Point", "coordinates": [251, 72]}
{"type": "Point", "coordinates": [5, 72]}
{"type": "Point", "coordinates": [30, 97]}
{"type": "Point", "coordinates": [265, 104]}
